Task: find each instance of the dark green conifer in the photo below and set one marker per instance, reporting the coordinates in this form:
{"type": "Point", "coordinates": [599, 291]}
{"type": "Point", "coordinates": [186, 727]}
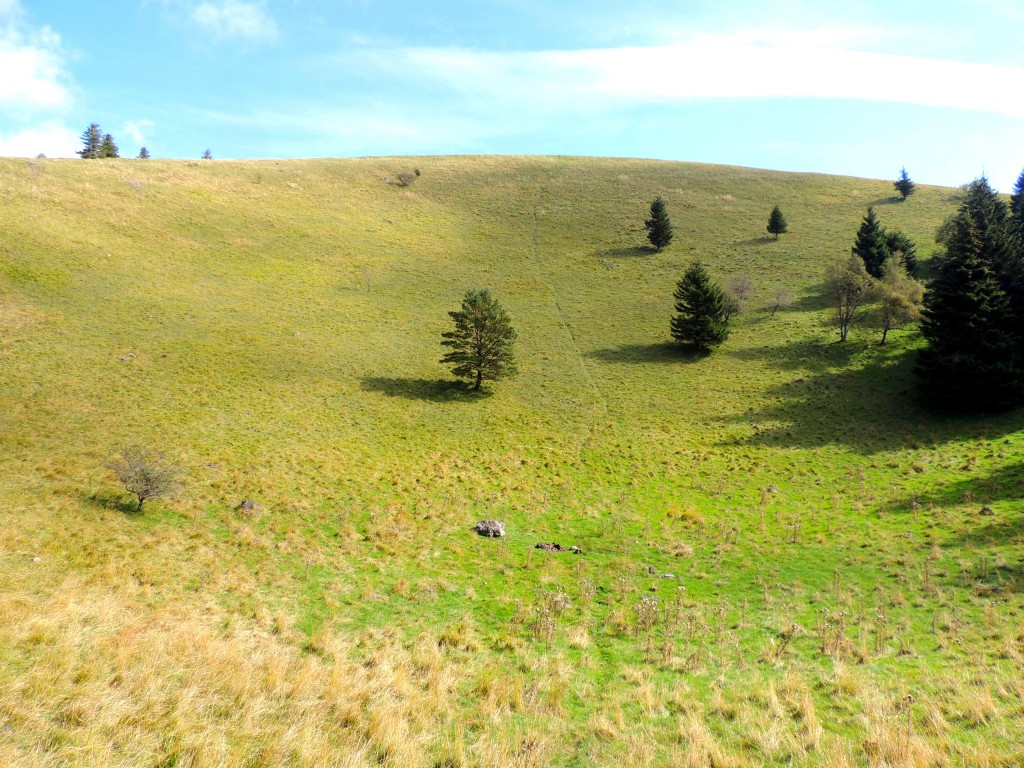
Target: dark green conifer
{"type": "Point", "coordinates": [143, 154]}
{"type": "Point", "coordinates": [904, 185]}
{"type": "Point", "coordinates": [108, 148]}
{"type": "Point", "coordinates": [701, 311]}
{"type": "Point", "coordinates": [659, 228]}
{"type": "Point", "coordinates": [777, 223]}
{"type": "Point", "coordinates": [903, 249]}
{"type": "Point", "coordinates": [92, 142]}
{"type": "Point", "coordinates": [482, 342]}
{"type": "Point", "coordinates": [871, 244]}
{"type": "Point", "coordinates": [972, 360]}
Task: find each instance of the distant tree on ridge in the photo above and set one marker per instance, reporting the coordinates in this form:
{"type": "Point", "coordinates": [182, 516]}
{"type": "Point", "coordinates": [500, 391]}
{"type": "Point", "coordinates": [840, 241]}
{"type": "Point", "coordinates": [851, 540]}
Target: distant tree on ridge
{"type": "Point", "coordinates": [904, 185]}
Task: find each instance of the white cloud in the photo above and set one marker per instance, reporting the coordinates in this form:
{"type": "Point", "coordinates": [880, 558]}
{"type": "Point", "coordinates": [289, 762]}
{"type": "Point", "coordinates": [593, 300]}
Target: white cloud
{"type": "Point", "coordinates": [50, 139]}
{"type": "Point", "coordinates": [32, 63]}
{"type": "Point", "coordinates": [748, 65]}
{"type": "Point", "coordinates": [34, 90]}
{"type": "Point", "coordinates": [235, 19]}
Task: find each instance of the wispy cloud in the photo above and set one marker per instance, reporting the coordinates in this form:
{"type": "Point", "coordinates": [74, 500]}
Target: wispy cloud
{"type": "Point", "coordinates": [136, 129]}
{"type": "Point", "coordinates": [749, 65]}
{"type": "Point", "coordinates": [234, 19]}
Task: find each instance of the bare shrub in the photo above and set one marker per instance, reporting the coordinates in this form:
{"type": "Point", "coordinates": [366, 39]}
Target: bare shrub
{"type": "Point", "coordinates": [406, 178]}
{"type": "Point", "coordinates": [740, 289]}
{"type": "Point", "coordinates": [146, 475]}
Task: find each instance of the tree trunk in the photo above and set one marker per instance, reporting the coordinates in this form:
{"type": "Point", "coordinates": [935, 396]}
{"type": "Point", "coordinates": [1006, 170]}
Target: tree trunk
{"type": "Point", "coordinates": [479, 380]}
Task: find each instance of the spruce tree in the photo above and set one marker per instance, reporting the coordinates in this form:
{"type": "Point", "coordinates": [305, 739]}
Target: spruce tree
{"type": "Point", "coordinates": [871, 244]}
{"type": "Point", "coordinates": [972, 360]}
{"type": "Point", "coordinates": [902, 249]}
{"type": "Point", "coordinates": [207, 155]}
{"type": "Point", "coordinates": [904, 185]}
{"type": "Point", "coordinates": [108, 148]}
{"type": "Point", "coordinates": [659, 228]}
{"type": "Point", "coordinates": [777, 223]}
{"type": "Point", "coordinates": [92, 142]}
{"type": "Point", "coordinates": [701, 310]}
{"type": "Point", "coordinates": [143, 154]}
{"type": "Point", "coordinates": [482, 342]}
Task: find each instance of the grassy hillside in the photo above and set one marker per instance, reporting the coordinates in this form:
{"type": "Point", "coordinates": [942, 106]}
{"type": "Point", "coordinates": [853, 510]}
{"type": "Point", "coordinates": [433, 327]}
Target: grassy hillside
{"type": "Point", "coordinates": [784, 561]}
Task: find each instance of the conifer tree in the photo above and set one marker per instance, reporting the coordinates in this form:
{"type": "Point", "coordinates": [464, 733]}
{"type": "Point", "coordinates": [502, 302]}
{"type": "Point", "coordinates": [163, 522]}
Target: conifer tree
{"type": "Point", "coordinates": [902, 249]}
{"type": "Point", "coordinates": [659, 228]}
{"type": "Point", "coordinates": [207, 155]}
{"type": "Point", "coordinates": [108, 148]}
{"type": "Point", "coordinates": [871, 244]}
{"type": "Point", "coordinates": [92, 142]}
{"type": "Point", "coordinates": [972, 361]}
{"type": "Point", "coordinates": [143, 154]}
{"type": "Point", "coordinates": [701, 311]}
{"type": "Point", "coordinates": [482, 342]}
{"type": "Point", "coordinates": [904, 185]}
{"type": "Point", "coordinates": [777, 223]}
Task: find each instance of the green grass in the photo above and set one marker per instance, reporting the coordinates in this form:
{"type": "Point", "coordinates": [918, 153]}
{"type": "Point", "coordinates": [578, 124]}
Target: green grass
{"type": "Point", "coordinates": [284, 320]}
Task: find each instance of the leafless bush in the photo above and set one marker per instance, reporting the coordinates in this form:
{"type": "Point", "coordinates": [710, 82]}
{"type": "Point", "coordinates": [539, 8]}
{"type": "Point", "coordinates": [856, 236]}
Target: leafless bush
{"type": "Point", "coordinates": [406, 178]}
{"type": "Point", "coordinates": [781, 299]}
{"type": "Point", "coordinates": [146, 475]}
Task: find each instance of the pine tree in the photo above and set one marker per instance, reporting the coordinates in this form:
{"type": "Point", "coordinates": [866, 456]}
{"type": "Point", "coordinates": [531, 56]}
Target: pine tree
{"type": "Point", "coordinates": [91, 142]}
{"type": "Point", "coordinates": [143, 154]}
{"type": "Point", "coordinates": [482, 342]}
{"type": "Point", "coordinates": [1017, 201]}
{"type": "Point", "coordinates": [207, 155]}
{"type": "Point", "coordinates": [871, 244]}
{"type": "Point", "coordinates": [777, 223]}
{"type": "Point", "coordinates": [972, 360]}
{"type": "Point", "coordinates": [902, 249]}
{"type": "Point", "coordinates": [659, 228]}
{"type": "Point", "coordinates": [904, 185]}
{"type": "Point", "coordinates": [701, 309]}
{"type": "Point", "coordinates": [108, 148]}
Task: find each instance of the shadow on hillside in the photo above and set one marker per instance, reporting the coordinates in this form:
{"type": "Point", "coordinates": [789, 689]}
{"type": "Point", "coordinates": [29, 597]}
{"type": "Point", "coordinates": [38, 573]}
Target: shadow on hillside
{"type": "Point", "coordinates": [892, 200]}
{"type": "Point", "coordinates": [749, 243]}
{"type": "Point", "coordinates": [616, 253]}
{"type": "Point", "coordinates": [432, 390]}
{"type": "Point", "coordinates": [858, 395]}
{"type": "Point", "coordinates": [1004, 484]}
{"type": "Point", "coordinates": [662, 352]}
{"type": "Point", "coordinates": [116, 502]}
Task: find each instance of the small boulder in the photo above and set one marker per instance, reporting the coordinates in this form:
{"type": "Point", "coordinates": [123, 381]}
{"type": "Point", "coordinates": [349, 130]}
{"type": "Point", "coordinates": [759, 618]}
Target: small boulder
{"type": "Point", "coordinates": [576, 550]}
{"type": "Point", "coordinates": [986, 512]}
{"type": "Point", "coordinates": [248, 507]}
{"type": "Point", "coordinates": [490, 528]}
{"type": "Point", "coordinates": [552, 547]}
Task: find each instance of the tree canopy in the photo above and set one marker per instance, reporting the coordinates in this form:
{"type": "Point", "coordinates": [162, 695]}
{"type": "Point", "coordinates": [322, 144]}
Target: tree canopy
{"type": "Point", "coordinates": [904, 185]}
{"type": "Point", "coordinates": [777, 223]}
{"type": "Point", "coordinates": [659, 227]}
{"type": "Point", "coordinates": [482, 343]}
{"type": "Point", "coordinates": [702, 310]}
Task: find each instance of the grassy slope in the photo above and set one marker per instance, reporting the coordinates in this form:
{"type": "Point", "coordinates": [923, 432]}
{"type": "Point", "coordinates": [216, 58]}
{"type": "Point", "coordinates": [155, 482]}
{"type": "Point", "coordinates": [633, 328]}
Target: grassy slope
{"type": "Point", "coordinates": [284, 319]}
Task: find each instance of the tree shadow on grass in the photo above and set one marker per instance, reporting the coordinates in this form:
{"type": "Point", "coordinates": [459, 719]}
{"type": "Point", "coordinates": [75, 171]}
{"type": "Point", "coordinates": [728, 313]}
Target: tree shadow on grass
{"type": "Point", "coordinates": [116, 502]}
{"type": "Point", "coordinates": [891, 200]}
{"type": "Point", "coordinates": [663, 352]}
{"type": "Point", "coordinates": [628, 252]}
{"type": "Point", "coordinates": [858, 395]}
{"type": "Point", "coordinates": [754, 241]}
{"type": "Point", "coordinates": [431, 390]}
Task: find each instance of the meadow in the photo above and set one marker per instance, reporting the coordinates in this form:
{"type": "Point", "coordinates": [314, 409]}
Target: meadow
{"type": "Point", "coordinates": [785, 559]}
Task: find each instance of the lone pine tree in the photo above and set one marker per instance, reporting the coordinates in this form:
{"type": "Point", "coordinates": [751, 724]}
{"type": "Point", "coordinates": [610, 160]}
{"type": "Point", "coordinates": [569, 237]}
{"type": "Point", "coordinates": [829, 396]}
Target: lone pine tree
{"type": "Point", "coordinates": [701, 320]}
{"type": "Point", "coordinates": [904, 185]}
{"type": "Point", "coordinates": [482, 342]}
{"type": "Point", "coordinates": [777, 223]}
{"type": "Point", "coordinates": [659, 227]}
{"type": "Point", "coordinates": [108, 148]}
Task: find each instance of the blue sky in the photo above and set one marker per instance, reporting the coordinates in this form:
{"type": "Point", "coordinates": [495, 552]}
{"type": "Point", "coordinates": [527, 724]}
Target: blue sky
{"type": "Point", "coordinates": [853, 88]}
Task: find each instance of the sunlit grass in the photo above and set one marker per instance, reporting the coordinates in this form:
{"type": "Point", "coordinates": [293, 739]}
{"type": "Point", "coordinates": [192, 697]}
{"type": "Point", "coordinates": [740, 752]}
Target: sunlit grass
{"type": "Point", "coordinates": [812, 538]}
